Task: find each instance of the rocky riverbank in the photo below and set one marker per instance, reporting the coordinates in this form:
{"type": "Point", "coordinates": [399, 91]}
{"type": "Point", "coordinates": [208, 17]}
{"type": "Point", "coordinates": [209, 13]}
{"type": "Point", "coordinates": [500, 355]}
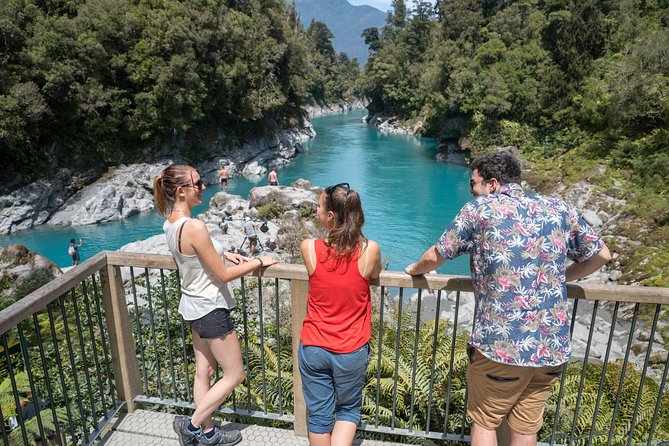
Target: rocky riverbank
{"type": "Point", "coordinates": [69, 199]}
{"type": "Point", "coordinates": [288, 211]}
{"type": "Point", "coordinates": [315, 110]}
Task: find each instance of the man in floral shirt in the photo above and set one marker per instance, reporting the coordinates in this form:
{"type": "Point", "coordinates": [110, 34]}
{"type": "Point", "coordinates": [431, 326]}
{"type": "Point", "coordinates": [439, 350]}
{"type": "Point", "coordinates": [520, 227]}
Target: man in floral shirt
{"type": "Point", "coordinates": [519, 245]}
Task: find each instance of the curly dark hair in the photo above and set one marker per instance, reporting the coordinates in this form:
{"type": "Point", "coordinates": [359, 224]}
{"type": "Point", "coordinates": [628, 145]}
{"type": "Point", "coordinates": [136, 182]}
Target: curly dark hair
{"type": "Point", "coordinates": [504, 166]}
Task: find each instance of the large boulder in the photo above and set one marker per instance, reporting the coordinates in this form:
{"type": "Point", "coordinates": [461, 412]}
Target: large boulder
{"type": "Point", "coordinates": [224, 204]}
{"type": "Point", "coordinates": [285, 198]}
{"type": "Point", "coordinates": [31, 205]}
{"type": "Point", "coordinates": [23, 271]}
{"type": "Point", "coordinates": [125, 192]}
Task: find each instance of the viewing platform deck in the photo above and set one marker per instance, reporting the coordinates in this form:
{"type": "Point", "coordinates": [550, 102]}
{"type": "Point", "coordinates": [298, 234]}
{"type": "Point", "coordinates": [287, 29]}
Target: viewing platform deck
{"type": "Point", "coordinates": [147, 428]}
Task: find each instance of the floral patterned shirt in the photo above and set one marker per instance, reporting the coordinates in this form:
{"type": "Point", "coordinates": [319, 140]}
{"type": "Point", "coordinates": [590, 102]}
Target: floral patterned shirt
{"type": "Point", "coordinates": [519, 245]}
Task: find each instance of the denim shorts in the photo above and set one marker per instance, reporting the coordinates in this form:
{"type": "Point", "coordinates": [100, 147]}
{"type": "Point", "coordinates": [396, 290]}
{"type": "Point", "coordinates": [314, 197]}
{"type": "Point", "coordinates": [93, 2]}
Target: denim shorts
{"type": "Point", "coordinates": [215, 324]}
{"type": "Point", "coordinates": [332, 385]}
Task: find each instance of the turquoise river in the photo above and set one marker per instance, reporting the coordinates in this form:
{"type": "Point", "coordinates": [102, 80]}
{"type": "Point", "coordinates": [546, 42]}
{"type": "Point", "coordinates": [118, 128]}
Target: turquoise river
{"type": "Point", "coordinates": [408, 197]}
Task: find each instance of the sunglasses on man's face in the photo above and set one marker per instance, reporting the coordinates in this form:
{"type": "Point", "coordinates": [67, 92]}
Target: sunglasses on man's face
{"type": "Point", "coordinates": [330, 189]}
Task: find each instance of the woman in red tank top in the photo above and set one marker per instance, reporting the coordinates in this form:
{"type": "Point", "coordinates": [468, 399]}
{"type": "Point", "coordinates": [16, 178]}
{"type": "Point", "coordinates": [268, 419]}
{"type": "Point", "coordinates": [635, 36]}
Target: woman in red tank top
{"type": "Point", "coordinates": [333, 352]}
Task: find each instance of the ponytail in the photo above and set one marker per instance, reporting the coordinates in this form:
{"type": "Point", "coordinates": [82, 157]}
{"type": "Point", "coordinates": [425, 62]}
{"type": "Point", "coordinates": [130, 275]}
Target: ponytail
{"type": "Point", "coordinates": [159, 195]}
{"type": "Point", "coordinates": [346, 235]}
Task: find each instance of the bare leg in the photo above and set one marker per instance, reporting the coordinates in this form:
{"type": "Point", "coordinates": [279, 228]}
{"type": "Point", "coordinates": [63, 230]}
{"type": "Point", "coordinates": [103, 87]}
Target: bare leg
{"type": "Point", "coordinates": [205, 367]}
{"type": "Point", "coordinates": [319, 439]}
{"type": "Point", "coordinates": [228, 354]}
{"type": "Point", "coordinates": [483, 437]}
{"type": "Point", "coordinates": [523, 439]}
{"type": "Point", "coordinates": [343, 433]}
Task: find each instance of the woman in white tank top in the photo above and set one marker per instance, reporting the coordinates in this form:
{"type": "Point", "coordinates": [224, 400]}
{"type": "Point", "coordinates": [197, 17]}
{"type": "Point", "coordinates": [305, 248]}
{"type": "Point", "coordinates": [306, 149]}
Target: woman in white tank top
{"type": "Point", "coordinates": [205, 302]}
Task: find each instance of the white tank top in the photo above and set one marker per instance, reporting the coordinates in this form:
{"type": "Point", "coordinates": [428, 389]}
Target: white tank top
{"type": "Point", "coordinates": [201, 291]}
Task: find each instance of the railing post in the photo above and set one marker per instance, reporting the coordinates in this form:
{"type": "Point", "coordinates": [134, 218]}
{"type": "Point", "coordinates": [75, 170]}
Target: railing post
{"type": "Point", "coordinates": [124, 357]}
{"type": "Point", "coordinates": [298, 304]}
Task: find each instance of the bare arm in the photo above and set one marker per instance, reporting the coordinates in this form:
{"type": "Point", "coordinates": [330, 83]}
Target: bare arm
{"type": "Point", "coordinates": [429, 261]}
{"type": "Point", "coordinates": [308, 258]}
{"type": "Point", "coordinates": [374, 260]}
{"type": "Point", "coordinates": [197, 241]}
{"type": "Point", "coordinates": [578, 270]}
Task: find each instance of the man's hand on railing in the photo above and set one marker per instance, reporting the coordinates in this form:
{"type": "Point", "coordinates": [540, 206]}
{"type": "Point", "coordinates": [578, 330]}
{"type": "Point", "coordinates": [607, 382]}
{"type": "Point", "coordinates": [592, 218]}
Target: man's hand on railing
{"type": "Point", "coordinates": [429, 261]}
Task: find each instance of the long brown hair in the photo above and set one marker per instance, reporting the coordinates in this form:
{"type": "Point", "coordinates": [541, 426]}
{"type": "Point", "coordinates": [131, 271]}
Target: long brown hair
{"type": "Point", "coordinates": [165, 186]}
{"type": "Point", "coordinates": [346, 234]}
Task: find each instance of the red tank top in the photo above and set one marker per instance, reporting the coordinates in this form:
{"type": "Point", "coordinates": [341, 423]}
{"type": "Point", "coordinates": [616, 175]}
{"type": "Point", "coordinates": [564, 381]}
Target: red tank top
{"type": "Point", "coordinates": [339, 307]}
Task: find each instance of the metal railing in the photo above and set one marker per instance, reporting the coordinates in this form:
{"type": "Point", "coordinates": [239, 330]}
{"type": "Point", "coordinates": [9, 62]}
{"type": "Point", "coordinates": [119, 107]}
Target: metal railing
{"type": "Point", "coordinates": [107, 334]}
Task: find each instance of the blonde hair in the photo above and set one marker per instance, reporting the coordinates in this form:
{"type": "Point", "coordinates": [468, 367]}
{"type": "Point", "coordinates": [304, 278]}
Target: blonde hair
{"type": "Point", "coordinates": [165, 186]}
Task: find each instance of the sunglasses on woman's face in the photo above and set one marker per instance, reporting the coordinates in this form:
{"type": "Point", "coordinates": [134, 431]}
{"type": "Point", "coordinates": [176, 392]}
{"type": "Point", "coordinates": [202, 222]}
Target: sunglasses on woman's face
{"type": "Point", "coordinates": [330, 189]}
{"type": "Point", "coordinates": [196, 184]}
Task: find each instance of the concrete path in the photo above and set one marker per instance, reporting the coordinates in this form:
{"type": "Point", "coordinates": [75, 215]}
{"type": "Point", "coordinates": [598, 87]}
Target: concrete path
{"type": "Point", "coordinates": [144, 427]}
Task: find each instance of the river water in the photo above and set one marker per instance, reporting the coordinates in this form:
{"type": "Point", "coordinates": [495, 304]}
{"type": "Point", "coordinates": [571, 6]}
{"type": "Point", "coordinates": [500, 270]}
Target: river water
{"type": "Point", "coordinates": [408, 197]}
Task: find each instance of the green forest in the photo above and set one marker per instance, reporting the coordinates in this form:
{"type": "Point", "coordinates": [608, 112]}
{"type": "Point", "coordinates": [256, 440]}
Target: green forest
{"type": "Point", "coordinates": [115, 80]}
{"type": "Point", "coordinates": [580, 86]}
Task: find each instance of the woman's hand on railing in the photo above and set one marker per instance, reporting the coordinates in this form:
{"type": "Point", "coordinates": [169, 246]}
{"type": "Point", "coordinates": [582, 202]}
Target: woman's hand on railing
{"type": "Point", "coordinates": [268, 260]}
{"type": "Point", "coordinates": [236, 258]}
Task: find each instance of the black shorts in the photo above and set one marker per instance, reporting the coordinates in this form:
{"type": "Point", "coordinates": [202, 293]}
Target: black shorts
{"type": "Point", "coordinates": [216, 324]}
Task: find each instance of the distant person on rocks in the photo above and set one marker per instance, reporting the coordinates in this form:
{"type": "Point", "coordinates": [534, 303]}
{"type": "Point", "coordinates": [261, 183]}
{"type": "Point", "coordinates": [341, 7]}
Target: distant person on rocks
{"type": "Point", "coordinates": [73, 251]}
{"type": "Point", "coordinates": [205, 303]}
{"type": "Point", "coordinates": [272, 178]}
{"type": "Point", "coordinates": [333, 351]}
{"type": "Point", "coordinates": [223, 177]}
{"type": "Point", "coordinates": [519, 245]}
{"type": "Point", "coordinates": [251, 234]}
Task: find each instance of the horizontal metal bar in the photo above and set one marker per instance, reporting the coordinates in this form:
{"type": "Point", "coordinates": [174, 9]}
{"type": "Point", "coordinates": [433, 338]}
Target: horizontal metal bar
{"type": "Point", "coordinates": [288, 418]}
{"type": "Point", "coordinates": [414, 433]}
{"type": "Point", "coordinates": [106, 420]}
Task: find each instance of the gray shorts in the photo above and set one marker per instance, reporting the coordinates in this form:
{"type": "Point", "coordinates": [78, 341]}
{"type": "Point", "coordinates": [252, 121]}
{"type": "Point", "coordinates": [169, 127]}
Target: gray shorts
{"type": "Point", "coordinates": [215, 324]}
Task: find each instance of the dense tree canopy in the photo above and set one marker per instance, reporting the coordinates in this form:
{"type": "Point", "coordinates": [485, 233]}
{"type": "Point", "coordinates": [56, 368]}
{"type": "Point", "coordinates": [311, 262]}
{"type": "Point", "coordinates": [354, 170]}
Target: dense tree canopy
{"type": "Point", "coordinates": [579, 81]}
{"type": "Point", "coordinates": [107, 79]}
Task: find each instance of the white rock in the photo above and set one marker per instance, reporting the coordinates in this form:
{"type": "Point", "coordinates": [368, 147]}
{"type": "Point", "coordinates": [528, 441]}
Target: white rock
{"type": "Point", "coordinates": [592, 218]}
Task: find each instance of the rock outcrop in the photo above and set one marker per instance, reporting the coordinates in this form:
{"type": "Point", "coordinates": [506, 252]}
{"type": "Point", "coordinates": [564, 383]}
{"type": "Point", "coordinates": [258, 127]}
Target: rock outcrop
{"type": "Point", "coordinates": [127, 189]}
{"type": "Point", "coordinates": [23, 271]}
{"type": "Point", "coordinates": [227, 213]}
{"type": "Point", "coordinates": [387, 123]}
{"type": "Point", "coordinates": [315, 110]}
{"type": "Point", "coordinates": [32, 205]}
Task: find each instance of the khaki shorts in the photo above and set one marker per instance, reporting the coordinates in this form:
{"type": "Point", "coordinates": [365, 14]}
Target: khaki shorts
{"type": "Point", "coordinates": [497, 390]}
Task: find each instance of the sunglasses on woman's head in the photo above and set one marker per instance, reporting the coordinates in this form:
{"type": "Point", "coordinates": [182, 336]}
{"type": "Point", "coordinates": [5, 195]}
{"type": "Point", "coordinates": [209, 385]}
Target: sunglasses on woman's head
{"type": "Point", "coordinates": [330, 189]}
